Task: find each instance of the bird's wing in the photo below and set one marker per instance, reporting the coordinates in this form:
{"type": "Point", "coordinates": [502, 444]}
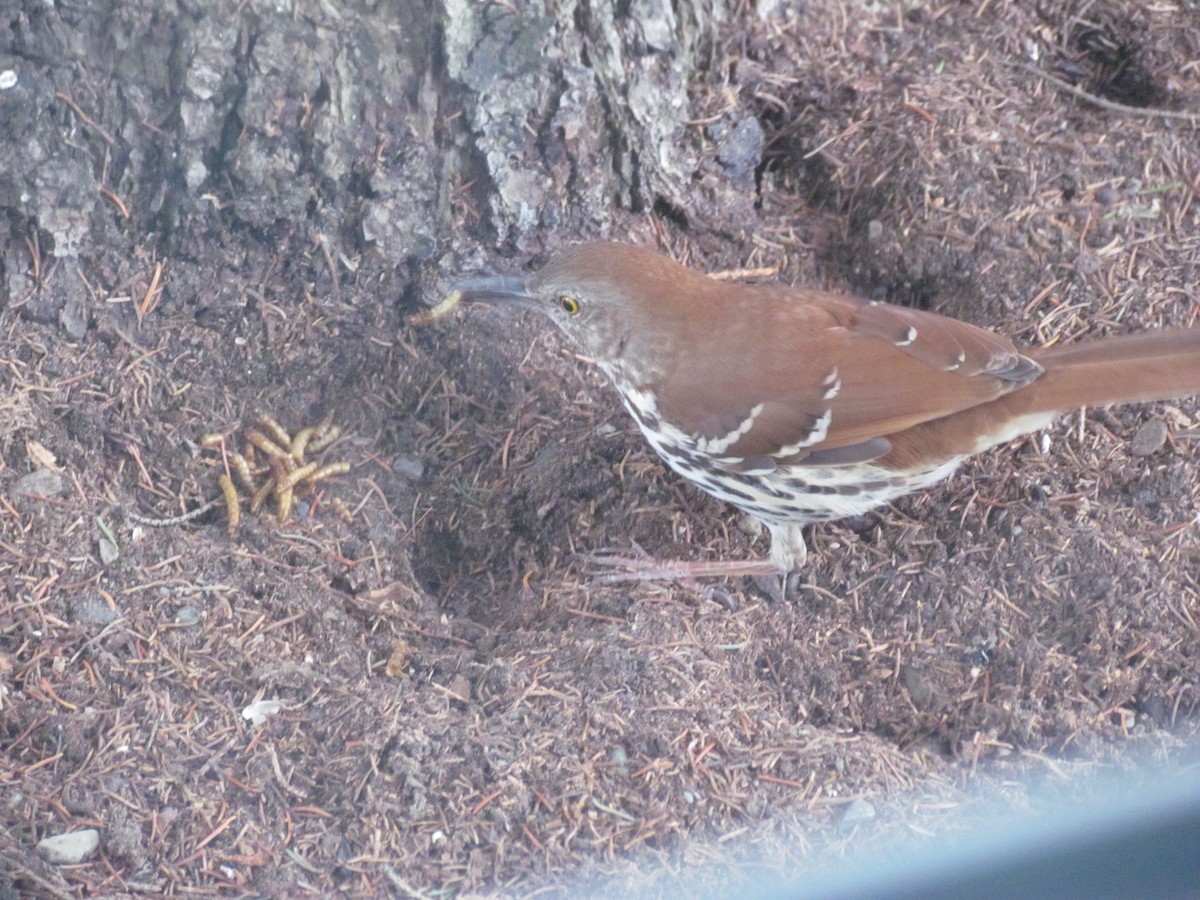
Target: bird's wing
{"type": "Point", "coordinates": [806, 377]}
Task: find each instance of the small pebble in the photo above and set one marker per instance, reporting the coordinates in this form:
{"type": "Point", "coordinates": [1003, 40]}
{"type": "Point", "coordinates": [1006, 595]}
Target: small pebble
{"type": "Point", "coordinates": [187, 616]}
{"type": "Point", "coordinates": [91, 610]}
{"type": "Point", "coordinates": [109, 553]}
{"type": "Point", "coordinates": [859, 812]}
{"type": "Point", "coordinates": [919, 688]}
{"type": "Point", "coordinates": [69, 849]}
{"type": "Point", "coordinates": [1149, 438]}
{"type": "Point", "coordinates": [740, 149]}
{"type": "Point", "coordinates": [42, 483]}
{"type": "Point", "coordinates": [74, 317]}
{"type": "Point", "coordinates": [460, 687]}
{"type": "Point", "coordinates": [620, 759]}
{"type": "Point", "coordinates": [409, 467]}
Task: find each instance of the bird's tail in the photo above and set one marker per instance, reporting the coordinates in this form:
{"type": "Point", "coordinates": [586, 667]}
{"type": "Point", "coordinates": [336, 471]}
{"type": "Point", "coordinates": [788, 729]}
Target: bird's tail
{"type": "Point", "coordinates": [1154, 365]}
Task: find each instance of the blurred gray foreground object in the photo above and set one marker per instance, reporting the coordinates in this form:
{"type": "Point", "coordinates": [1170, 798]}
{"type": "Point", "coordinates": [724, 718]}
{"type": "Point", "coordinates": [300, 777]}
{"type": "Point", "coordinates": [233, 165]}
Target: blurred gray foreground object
{"type": "Point", "coordinates": [1117, 836]}
{"type": "Point", "coordinates": [1143, 845]}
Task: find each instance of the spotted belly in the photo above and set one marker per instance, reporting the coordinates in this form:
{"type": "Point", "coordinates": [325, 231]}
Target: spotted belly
{"type": "Point", "coordinates": [799, 495]}
{"type": "Point", "coordinates": [782, 494]}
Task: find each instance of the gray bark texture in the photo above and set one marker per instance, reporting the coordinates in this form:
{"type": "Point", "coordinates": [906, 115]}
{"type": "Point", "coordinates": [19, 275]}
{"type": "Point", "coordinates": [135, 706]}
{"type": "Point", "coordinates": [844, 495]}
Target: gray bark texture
{"type": "Point", "coordinates": [223, 135]}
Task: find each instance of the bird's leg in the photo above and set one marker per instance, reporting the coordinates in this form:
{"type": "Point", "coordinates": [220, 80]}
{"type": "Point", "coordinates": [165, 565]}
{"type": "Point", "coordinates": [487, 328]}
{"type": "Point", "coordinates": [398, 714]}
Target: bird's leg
{"type": "Point", "coordinates": [628, 568]}
{"type": "Point", "coordinates": [788, 553]}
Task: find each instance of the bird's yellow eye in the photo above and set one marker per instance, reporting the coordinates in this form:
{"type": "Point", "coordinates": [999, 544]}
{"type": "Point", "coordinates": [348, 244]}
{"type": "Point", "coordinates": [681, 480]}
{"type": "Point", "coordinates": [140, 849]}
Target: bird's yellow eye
{"type": "Point", "coordinates": [569, 304]}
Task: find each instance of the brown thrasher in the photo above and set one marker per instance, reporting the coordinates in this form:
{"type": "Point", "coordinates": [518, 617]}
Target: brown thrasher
{"type": "Point", "coordinates": [802, 406]}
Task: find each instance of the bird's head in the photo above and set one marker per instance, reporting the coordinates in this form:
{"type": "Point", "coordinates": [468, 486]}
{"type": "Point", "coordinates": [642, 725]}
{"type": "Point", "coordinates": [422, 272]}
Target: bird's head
{"type": "Point", "coordinates": [617, 301]}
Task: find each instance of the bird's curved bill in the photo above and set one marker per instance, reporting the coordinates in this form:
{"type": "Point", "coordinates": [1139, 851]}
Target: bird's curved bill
{"type": "Point", "coordinates": [495, 288]}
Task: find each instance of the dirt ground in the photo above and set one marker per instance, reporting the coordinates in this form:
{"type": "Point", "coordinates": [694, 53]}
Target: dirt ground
{"type": "Point", "coordinates": [464, 709]}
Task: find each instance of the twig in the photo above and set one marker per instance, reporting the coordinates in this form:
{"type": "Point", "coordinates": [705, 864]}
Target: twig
{"type": "Point", "coordinates": [174, 520]}
{"type": "Point", "coordinates": [1112, 105]}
